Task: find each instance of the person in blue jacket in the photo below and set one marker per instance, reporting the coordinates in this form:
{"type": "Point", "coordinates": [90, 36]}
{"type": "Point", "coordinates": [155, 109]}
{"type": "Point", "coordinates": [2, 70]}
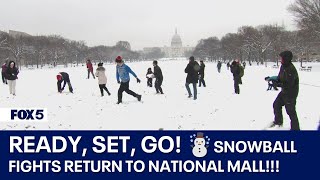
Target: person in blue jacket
{"type": "Point", "coordinates": [272, 82]}
{"type": "Point", "coordinates": [123, 78]}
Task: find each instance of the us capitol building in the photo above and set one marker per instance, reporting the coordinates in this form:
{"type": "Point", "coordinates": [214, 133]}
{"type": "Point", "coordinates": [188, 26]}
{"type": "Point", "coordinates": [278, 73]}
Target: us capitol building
{"type": "Point", "coordinates": [175, 50]}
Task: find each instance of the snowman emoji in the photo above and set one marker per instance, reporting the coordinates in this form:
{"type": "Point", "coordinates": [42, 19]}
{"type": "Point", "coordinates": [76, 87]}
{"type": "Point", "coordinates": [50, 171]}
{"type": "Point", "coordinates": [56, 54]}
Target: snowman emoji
{"type": "Point", "coordinates": [199, 148]}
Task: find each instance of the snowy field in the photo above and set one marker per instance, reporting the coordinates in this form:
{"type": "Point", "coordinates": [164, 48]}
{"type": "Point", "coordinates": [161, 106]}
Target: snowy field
{"type": "Point", "coordinates": [217, 108]}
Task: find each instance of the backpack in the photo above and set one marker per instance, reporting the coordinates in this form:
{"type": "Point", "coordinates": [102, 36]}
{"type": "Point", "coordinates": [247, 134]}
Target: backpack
{"type": "Point", "coordinates": [241, 71]}
{"type": "Point", "coordinates": [196, 67]}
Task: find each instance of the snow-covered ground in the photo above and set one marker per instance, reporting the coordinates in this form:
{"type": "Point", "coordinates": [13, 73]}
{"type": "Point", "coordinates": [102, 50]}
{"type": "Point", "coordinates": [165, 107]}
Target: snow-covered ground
{"type": "Point", "coordinates": [217, 108]}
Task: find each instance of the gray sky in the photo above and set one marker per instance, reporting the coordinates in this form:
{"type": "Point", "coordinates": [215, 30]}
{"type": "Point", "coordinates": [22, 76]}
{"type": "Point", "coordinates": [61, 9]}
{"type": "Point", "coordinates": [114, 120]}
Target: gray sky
{"type": "Point", "coordinates": [144, 23]}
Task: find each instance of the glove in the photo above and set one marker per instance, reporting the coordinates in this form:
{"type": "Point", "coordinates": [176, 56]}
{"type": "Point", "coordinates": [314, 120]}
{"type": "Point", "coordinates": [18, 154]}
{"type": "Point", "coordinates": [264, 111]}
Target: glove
{"type": "Point", "coordinates": [138, 80]}
{"type": "Point", "coordinates": [118, 82]}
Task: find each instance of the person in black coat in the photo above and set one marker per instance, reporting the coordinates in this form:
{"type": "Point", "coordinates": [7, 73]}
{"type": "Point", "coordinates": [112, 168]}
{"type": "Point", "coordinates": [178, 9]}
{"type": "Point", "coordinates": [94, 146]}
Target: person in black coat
{"type": "Point", "coordinates": [63, 77]}
{"type": "Point", "coordinates": [235, 70]}
{"type": "Point", "coordinates": [228, 65]}
{"type": "Point", "coordinates": [219, 66]}
{"type": "Point", "coordinates": [201, 74]}
{"type": "Point", "coordinates": [12, 75]}
{"type": "Point", "coordinates": [288, 79]}
{"type": "Point", "coordinates": [159, 77]}
{"type": "Point", "coordinates": [192, 77]}
{"type": "Point", "coordinates": [149, 77]}
{"type": "Point", "coordinates": [4, 68]}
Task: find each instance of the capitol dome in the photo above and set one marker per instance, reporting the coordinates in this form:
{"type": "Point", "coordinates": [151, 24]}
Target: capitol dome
{"type": "Point", "coordinates": [176, 40]}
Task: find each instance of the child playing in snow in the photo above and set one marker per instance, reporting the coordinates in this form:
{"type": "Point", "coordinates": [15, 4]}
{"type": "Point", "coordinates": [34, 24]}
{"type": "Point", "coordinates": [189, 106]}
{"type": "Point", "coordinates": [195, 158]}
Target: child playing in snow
{"type": "Point", "coordinates": [272, 82]}
{"type": "Point", "coordinates": [102, 79]}
{"type": "Point", "coordinates": [149, 77]}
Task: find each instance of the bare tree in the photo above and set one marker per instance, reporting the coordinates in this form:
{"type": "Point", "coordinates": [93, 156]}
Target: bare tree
{"type": "Point", "coordinates": [17, 47]}
{"type": "Point", "coordinates": [307, 13]}
{"type": "Point", "coordinates": [248, 35]}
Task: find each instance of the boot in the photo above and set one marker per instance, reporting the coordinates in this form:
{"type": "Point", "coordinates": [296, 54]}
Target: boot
{"type": "Point", "coordinates": [139, 97]}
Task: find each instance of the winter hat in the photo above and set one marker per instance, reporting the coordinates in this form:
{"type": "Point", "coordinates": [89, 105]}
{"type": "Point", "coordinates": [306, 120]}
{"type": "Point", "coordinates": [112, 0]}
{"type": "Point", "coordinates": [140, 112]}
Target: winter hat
{"type": "Point", "coordinates": [100, 64]}
{"type": "Point", "coordinates": [59, 77]}
{"type": "Point", "coordinates": [286, 57]}
{"type": "Point", "coordinates": [119, 59]}
{"type": "Point", "coordinates": [191, 58]}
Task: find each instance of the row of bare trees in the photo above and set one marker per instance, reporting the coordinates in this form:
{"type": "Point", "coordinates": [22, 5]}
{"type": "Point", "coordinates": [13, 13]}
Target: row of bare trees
{"type": "Point", "coordinates": [53, 50]}
{"type": "Point", "coordinates": [258, 44]}
{"type": "Point", "coordinates": [264, 42]}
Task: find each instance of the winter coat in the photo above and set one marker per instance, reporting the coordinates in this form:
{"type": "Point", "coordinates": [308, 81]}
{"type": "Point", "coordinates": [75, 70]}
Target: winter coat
{"type": "Point", "coordinates": [157, 73]}
{"type": "Point", "coordinates": [201, 72]}
{"type": "Point", "coordinates": [235, 70]}
{"type": "Point", "coordinates": [4, 68]}
{"type": "Point", "coordinates": [289, 80]}
{"type": "Point", "coordinates": [65, 76]}
{"type": "Point", "coordinates": [100, 73]}
{"type": "Point", "coordinates": [149, 72]}
{"type": "Point", "coordinates": [122, 73]}
{"type": "Point", "coordinates": [89, 66]}
{"type": "Point", "coordinates": [12, 73]}
{"type": "Point", "coordinates": [65, 79]}
{"type": "Point", "coordinates": [192, 76]}
{"type": "Point", "coordinates": [219, 65]}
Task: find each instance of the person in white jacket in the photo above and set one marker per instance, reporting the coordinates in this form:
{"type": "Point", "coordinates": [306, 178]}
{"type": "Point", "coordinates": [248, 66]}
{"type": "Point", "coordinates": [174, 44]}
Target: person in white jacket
{"type": "Point", "coordinates": [102, 79]}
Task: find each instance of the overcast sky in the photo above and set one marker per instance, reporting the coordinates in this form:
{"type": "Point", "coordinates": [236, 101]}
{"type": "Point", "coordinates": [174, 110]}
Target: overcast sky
{"type": "Point", "coordinates": [144, 23]}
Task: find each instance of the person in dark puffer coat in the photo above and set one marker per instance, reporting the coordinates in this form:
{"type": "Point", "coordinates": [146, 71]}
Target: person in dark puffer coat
{"type": "Point", "coordinates": [192, 77]}
{"type": "Point", "coordinates": [288, 79]}
{"type": "Point", "coordinates": [159, 77]}
{"type": "Point", "coordinates": [4, 68]}
{"type": "Point", "coordinates": [12, 76]}
{"type": "Point", "coordinates": [235, 70]}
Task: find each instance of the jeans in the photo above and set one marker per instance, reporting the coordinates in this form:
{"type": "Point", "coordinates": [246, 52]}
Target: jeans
{"type": "Point", "coordinates": [201, 81]}
{"type": "Point", "coordinates": [194, 90]}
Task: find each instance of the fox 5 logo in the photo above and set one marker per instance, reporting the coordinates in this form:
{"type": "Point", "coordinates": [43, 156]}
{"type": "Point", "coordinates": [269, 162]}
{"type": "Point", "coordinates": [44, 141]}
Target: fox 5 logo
{"type": "Point", "coordinates": [23, 114]}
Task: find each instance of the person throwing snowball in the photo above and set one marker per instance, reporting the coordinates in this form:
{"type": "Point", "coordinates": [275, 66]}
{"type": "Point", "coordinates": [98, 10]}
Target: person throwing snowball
{"type": "Point", "coordinates": [123, 78]}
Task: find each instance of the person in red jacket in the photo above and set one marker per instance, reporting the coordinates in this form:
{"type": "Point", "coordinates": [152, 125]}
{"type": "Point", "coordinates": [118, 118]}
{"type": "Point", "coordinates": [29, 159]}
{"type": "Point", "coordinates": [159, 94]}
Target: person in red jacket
{"type": "Point", "coordinates": [90, 69]}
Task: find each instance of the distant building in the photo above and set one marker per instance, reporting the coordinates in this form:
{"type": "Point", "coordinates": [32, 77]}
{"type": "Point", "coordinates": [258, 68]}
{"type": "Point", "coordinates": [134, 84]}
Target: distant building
{"type": "Point", "coordinates": [175, 50]}
{"type": "Point", "coordinates": [17, 33]}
